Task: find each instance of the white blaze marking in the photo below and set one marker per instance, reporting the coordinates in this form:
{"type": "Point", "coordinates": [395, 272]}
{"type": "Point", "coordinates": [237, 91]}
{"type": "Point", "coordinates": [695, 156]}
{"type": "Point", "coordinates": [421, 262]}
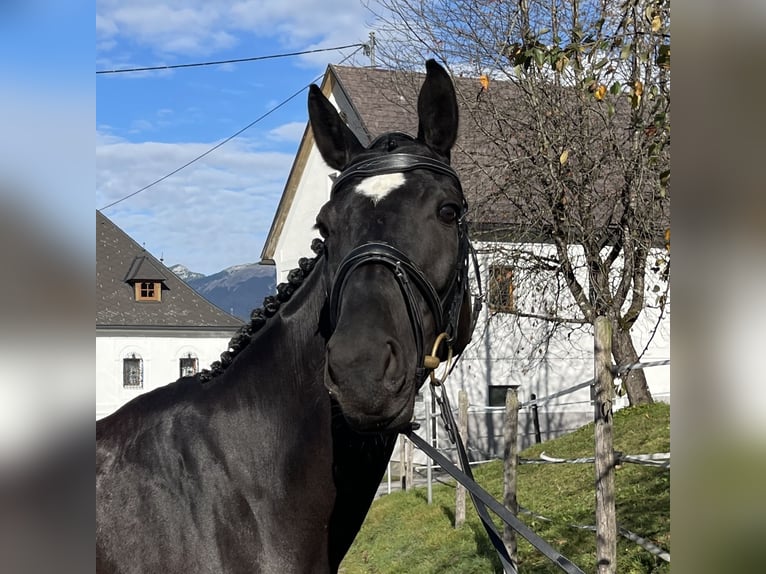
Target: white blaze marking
{"type": "Point", "coordinates": [379, 186]}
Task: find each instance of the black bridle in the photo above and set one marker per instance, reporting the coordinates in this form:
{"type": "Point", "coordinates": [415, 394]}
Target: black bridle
{"type": "Point", "coordinates": [445, 309]}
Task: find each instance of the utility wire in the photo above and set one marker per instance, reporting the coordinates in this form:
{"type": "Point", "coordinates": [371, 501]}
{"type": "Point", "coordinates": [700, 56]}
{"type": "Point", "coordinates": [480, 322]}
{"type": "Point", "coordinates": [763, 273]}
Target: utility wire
{"type": "Point", "coordinates": [253, 59]}
{"type": "Point", "coordinates": [228, 139]}
{"type": "Point", "coordinates": [211, 150]}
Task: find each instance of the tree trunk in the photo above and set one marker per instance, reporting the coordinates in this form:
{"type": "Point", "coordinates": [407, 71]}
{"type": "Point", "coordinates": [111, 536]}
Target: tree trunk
{"type": "Point", "coordinates": [634, 382]}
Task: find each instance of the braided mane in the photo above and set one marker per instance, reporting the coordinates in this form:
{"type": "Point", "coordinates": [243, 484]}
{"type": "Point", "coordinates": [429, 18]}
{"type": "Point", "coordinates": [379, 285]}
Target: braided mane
{"type": "Point", "coordinates": [258, 317]}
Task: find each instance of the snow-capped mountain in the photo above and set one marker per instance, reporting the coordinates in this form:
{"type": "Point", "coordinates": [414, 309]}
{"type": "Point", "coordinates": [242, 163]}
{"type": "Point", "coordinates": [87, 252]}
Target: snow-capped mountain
{"type": "Point", "coordinates": [185, 273]}
{"type": "Point", "coordinates": [237, 289]}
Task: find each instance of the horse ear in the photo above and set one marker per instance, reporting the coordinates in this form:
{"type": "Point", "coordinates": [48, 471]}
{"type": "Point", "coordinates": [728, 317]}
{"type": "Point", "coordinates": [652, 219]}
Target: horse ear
{"type": "Point", "coordinates": [335, 141]}
{"type": "Point", "coordinates": [437, 110]}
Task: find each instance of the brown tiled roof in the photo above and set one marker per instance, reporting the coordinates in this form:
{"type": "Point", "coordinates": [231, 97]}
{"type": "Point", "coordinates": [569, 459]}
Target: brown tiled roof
{"type": "Point", "coordinates": [119, 259]}
{"type": "Point", "coordinates": [386, 100]}
{"type": "Point", "coordinates": [494, 130]}
{"type": "Point", "coordinates": [142, 269]}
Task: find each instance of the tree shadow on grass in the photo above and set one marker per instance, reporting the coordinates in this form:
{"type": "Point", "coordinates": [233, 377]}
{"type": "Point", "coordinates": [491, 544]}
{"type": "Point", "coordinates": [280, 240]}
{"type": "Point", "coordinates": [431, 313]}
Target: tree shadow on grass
{"type": "Point", "coordinates": [484, 547]}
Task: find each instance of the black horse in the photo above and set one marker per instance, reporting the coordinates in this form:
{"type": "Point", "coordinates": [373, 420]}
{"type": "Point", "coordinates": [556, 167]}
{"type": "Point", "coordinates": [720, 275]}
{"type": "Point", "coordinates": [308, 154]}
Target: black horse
{"type": "Point", "coordinates": [269, 461]}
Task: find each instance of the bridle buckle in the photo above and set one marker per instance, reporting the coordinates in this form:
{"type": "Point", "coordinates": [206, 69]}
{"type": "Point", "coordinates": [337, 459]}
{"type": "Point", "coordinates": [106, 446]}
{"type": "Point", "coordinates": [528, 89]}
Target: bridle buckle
{"type": "Point", "coordinates": [432, 361]}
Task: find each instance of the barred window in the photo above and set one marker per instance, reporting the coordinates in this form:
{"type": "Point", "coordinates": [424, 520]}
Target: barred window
{"type": "Point", "coordinates": [133, 372]}
{"type": "Point", "coordinates": [189, 365]}
{"type": "Point", "coordinates": [501, 288]}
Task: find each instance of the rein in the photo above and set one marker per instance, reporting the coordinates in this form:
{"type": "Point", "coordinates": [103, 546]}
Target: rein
{"type": "Point", "coordinates": [482, 499]}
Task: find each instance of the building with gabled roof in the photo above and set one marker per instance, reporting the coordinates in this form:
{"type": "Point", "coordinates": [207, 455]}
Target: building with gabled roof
{"type": "Point", "coordinates": [151, 327]}
{"type": "Point", "coordinates": [373, 101]}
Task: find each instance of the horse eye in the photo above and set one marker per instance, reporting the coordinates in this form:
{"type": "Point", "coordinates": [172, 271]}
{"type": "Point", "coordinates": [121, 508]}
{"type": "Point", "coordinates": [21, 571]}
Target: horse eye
{"type": "Point", "coordinates": [448, 213]}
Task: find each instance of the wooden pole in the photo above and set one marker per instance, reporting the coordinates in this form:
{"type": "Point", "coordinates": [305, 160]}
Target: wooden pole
{"type": "Point", "coordinates": [402, 462]}
{"type": "Point", "coordinates": [606, 520]}
{"type": "Point", "coordinates": [536, 420]}
{"type": "Point", "coordinates": [510, 458]}
{"type": "Point", "coordinates": [410, 465]}
{"type": "Point", "coordinates": [429, 472]}
{"type": "Point", "coordinates": [462, 427]}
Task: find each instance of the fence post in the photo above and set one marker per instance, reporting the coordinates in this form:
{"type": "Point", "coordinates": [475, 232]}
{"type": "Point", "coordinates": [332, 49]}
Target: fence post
{"type": "Point", "coordinates": [410, 464]}
{"type": "Point", "coordinates": [462, 427]}
{"type": "Point", "coordinates": [536, 420]}
{"type": "Point", "coordinates": [606, 521]}
{"type": "Point", "coordinates": [429, 472]}
{"type": "Point", "coordinates": [510, 457]}
{"type": "Point", "coordinates": [402, 462]}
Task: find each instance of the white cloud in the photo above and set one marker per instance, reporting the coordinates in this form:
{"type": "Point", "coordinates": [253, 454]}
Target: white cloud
{"type": "Point", "coordinates": [183, 27]}
{"type": "Point", "coordinates": [292, 132]}
{"type": "Point", "coordinates": [213, 214]}
{"type": "Point", "coordinates": [302, 21]}
{"type": "Point", "coordinates": [218, 211]}
{"type": "Point", "coordinates": [138, 126]}
{"type": "Point", "coordinates": [167, 27]}
{"type": "Point", "coordinates": [105, 27]}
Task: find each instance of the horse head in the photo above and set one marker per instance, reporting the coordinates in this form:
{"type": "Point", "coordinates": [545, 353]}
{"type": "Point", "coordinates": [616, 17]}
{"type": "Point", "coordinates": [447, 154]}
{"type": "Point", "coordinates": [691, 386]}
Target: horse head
{"type": "Point", "coordinates": [397, 251]}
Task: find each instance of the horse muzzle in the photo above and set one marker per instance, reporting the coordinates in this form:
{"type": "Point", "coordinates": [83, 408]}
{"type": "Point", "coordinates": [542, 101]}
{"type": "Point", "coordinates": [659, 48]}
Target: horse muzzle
{"type": "Point", "coordinates": [370, 381]}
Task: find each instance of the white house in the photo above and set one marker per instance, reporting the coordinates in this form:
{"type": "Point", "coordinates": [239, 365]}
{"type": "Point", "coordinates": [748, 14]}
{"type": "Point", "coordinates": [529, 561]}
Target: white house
{"type": "Point", "coordinates": [151, 327]}
{"type": "Point", "coordinates": [374, 101]}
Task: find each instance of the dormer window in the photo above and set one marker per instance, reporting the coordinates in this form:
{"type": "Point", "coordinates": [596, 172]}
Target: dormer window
{"type": "Point", "coordinates": [148, 291]}
{"type": "Point", "coordinates": [146, 278]}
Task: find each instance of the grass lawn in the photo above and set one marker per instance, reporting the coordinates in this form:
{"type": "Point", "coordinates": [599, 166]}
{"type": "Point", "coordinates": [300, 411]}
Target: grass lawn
{"type": "Point", "coordinates": [403, 533]}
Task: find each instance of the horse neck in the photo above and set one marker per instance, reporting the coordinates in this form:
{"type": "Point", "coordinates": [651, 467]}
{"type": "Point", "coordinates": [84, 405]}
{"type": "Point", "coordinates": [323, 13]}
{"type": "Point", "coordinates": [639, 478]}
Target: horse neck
{"type": "Point", "coordinates": [288, 351]}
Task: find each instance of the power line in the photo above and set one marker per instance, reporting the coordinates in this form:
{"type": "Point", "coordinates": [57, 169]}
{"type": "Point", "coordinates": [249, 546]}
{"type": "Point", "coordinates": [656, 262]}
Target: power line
{"type": "Point", "coordinates": [211, 150]}
{"type": "Point", "coordinates": [217, 62]}
{"type": "Point", "coordinates": [228, 139]}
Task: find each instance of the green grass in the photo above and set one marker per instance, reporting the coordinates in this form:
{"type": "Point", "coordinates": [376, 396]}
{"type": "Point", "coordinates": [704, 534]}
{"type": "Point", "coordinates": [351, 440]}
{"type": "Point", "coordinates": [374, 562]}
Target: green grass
{"type": "Point", "coordinates": [403, 533]}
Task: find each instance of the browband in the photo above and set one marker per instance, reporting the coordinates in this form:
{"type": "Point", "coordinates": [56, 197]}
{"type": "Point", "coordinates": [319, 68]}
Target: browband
{"type": "Point", "coordinates": [396, 163]}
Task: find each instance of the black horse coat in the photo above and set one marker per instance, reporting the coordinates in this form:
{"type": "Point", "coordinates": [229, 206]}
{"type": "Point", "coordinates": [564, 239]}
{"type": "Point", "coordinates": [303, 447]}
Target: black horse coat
{"type": "Point", "coordinates": [270, 464]}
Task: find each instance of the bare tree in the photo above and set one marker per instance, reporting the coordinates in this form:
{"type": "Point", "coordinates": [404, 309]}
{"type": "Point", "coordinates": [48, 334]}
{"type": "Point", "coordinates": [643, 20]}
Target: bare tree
{"type": "Point", "coordinates": [572, 111]}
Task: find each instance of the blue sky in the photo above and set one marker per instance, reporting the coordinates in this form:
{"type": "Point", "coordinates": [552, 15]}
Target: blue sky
{"type": "Point", "coordinates": [217, 212]}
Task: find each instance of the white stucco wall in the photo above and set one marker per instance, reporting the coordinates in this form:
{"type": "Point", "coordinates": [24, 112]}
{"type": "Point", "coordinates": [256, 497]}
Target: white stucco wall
{"type": "Point", "coordinates": [161, 354]}
{"type": "Point", "coordinates": [313, 192]}
{"type": "Point", "coordinates": [499, 353]}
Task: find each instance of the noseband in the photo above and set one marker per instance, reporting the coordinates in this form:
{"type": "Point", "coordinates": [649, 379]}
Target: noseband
{"type": "Point", "coordinates": [445, 309]}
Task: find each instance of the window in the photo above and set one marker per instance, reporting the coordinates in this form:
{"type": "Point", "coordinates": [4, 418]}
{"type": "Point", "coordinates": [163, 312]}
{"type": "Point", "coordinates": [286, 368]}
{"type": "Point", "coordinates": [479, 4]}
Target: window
{"type": "Point", "coordinates": [501, 288]}
{"type": "Point", "coordinates": [133, 372]}
{"type": "Point", "coordinates": [188, 365]}
{"type": "Point", "coordinates": [496, 394]}
{"type": "Point", "coordinates": [148, 290]}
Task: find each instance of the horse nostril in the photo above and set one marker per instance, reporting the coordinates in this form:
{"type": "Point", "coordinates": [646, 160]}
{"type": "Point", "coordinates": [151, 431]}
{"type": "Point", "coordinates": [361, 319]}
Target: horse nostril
{"type": "Point", "coordinates": [390, 360]}
{"type": "Point", "coordinates": [393, 375]}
